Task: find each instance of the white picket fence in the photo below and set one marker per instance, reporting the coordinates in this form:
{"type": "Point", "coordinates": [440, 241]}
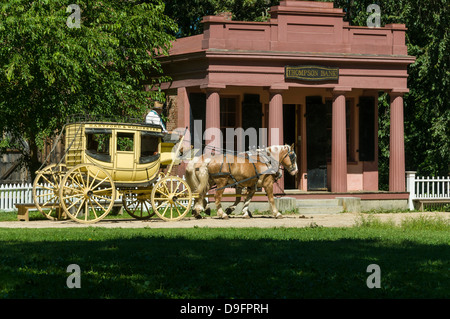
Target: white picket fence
{"type": "Point", "coordinates": [15, 194]}
{"type": "Point", "coordinates": [423, 188]}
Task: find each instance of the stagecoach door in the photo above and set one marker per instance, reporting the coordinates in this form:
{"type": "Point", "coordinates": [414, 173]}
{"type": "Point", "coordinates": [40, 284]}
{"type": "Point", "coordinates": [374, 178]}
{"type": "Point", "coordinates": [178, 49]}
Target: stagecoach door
{"type": "Point", "coordinates": [317, 144]}
{"type": "Point", "coordinates": [125, 161]}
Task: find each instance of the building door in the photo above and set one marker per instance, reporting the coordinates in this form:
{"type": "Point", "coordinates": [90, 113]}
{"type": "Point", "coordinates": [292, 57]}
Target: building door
{"type": "Point", "coordinates": [317, 144]}
{"type": "Point", "coordinates": [252, 117]}
{"type": "Point", "coordinates": [197, 102]}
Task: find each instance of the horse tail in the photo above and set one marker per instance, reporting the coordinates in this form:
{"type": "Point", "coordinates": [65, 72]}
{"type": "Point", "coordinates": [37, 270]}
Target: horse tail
{"type": "Point", "coordinates": [203, 178]}
{"type": "Point", "coordinates": [191, 176]}
{"type": "Point", "coordinates": [197, 179]}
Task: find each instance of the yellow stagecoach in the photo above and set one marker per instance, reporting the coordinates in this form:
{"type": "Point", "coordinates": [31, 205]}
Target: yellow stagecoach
{"type": "Point", "coordinates": [106, 160]}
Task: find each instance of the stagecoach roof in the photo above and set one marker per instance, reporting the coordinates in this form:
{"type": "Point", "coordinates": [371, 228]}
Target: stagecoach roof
{"type": "Point", "coordinates": [102, 121]}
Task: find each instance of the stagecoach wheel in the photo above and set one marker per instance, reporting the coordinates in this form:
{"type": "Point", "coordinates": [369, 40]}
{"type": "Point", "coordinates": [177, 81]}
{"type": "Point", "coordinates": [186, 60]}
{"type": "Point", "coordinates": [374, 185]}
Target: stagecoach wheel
{"type": "Point", "coordinates": [171, 198]}
{"type": "Point", "coordinates": [87, 193]}
{"type": "Point", "coordinates": [138, 204]}
{"type": "Point", "coordinates": [46, 191]}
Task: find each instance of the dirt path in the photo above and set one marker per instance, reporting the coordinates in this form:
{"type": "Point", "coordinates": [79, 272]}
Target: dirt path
{"type": "Point", "coordinates": [325, 220]}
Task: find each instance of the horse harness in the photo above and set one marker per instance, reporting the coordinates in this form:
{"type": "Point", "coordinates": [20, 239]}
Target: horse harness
{"type": "Point", "coordinates": [270, 170]}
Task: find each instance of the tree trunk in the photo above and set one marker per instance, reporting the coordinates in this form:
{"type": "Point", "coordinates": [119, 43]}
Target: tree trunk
{"type": "Point", "coordinates": [33, 162]}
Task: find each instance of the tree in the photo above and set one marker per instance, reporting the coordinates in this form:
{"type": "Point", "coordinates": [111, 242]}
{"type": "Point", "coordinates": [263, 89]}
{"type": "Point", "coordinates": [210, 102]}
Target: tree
{"type": "Point", "coordinates": [188, 14]}
{"type": "Point", "coordinates": [51, 69]}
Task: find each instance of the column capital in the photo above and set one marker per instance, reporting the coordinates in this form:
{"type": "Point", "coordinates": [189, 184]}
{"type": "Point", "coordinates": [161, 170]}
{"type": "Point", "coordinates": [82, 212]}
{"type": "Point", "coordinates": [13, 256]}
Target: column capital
{"type": "Point", "coordinates": [213, 87]}
{"type": "Point", "coordinates": [394, 94]}
{"type": "Point", "coordinates": [341, 90]}
{"type": "Point", "coordinates": [278, 87]}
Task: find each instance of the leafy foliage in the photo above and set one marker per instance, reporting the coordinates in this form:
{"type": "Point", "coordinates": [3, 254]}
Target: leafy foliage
{"type": "Point", "coordinates": [188, 15]}
{"type": "Point", "coordinates": [50, 71]}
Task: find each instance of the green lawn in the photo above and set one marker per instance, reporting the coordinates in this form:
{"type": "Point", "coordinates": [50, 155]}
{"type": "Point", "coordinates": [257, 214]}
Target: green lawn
{"type": "Point", "coordinates": [228, 263]}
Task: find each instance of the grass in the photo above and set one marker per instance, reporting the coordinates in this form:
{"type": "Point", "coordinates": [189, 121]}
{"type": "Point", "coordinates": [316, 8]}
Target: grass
{"type": "Point", "coordinates": [421, 222]}
{"type": "Point", "coordinates": [36, 215]}
{"type": "Point", "coordinates": [311, 262]}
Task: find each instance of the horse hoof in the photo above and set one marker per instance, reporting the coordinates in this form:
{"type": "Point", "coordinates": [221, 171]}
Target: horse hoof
{"type": "Point", "coordinates": [249, 213]}
{"type": "Point", "coordinates": [228, 211]}
{"type": "Point", "coordinates": [208, 211]}
{"type": "Point", "coordinates": [246, 216]}
{"type": "Point", "coordinates": [198, 216]}
{"type": "Point", "coordinates": [279, 216]}
{"type": "Point", "coordinates": [224, 217]}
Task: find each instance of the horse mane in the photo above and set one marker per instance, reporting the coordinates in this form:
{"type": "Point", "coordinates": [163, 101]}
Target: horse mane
{"type": "Point", "coordinates": [274, 148]}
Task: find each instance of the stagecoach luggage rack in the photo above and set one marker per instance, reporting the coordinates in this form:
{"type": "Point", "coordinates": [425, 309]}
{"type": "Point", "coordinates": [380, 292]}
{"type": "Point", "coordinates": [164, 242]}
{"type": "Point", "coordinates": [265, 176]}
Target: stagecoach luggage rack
{"type": "Point", "coordinates": [101, 118]}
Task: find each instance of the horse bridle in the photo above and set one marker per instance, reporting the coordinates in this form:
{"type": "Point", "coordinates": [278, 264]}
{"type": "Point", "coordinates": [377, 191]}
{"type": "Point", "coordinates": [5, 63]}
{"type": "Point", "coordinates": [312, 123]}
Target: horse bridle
{"type": "Point", "coordinates": [293, 159]}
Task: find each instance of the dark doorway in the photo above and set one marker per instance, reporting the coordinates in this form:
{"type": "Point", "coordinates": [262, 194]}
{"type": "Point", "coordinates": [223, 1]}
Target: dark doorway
{"type": "Point", "coordinates": [317, 144]}
{"type": "Point", "coordinates": [290, 136]}
{"type": "Point", "coordinates": [197, 120]}
{"type": "Point", "coordinates": [252, 119]}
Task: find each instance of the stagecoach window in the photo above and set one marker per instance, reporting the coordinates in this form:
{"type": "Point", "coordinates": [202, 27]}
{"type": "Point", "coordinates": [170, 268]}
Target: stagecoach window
{"type": "Point", "coordinates": [125, 142]}
{"type": "Point", "coordinates": [149, 148]}
{"type": "Point", "coordinates": [97, 145]}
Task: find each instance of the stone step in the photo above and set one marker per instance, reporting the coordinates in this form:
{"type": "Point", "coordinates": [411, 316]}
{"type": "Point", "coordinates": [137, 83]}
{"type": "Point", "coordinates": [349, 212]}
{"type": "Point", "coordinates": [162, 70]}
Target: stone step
{"type": "Point", "coordinates": [320, 209]}
{"type": "Point", "coordinates": [317, 202]}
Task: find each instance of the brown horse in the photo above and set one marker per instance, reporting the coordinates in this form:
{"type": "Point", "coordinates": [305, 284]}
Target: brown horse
{"type": "Point", "coordinates": [252, 171]}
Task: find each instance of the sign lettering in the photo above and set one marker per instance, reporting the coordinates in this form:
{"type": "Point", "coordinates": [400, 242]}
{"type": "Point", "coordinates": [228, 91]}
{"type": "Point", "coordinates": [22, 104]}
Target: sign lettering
{"type": "Point", "coordinates": [311, 73]}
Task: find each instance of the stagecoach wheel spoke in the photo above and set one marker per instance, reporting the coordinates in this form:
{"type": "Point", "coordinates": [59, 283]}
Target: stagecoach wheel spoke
{"type": "Point", "coordinates": [171, 198]}
{"type": "Point", "coordinates": [182, 192]}
{"type": "Point", "coordinates": [165, 210]}
{"type": "Point", "coordinates": [87, 194]}
{"type": "Point", "coordinates": [46, 191]}
{"type": "Point", "coordinates": [178, 211]}
{"type": "Point", "coordinates": [93, 180]}
{"type": "Point", "coordinates": [162, 193]}
{"type": "Point", "coordinates": [138, 204]}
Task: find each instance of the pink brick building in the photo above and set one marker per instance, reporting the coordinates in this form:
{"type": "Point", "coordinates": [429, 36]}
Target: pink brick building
{"type": "Point", "coordinates": [308, 74]}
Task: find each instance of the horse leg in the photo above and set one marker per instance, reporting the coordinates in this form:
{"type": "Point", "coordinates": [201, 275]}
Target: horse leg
{"type": "Point", "coordinates": [250, 192]}
{"type": "Point", "coordinates": [269, 192]}
{"type": "Point", "coordinates": [198, 207]}
{"type": "Point", "coordinates": [207, 208]}
{"type": "Point", "coordinates": [231, 208]}
{"type": "Point", "coordinates": [218, 198]}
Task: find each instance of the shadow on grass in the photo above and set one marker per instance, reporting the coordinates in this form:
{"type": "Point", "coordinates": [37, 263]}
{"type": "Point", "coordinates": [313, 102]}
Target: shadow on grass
{"type": "Point", "coordinates": [160, 266]}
